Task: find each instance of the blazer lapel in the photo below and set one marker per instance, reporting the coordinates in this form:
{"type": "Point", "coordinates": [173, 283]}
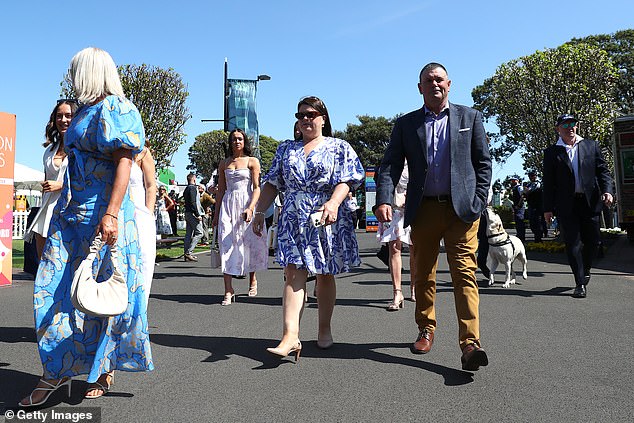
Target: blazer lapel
{"type": "Point", "coordinates": [563, 156]}
{"type": "Point", "coordinates": [422, 134]}
{"type": "Point", "coordinates": [455, 117]}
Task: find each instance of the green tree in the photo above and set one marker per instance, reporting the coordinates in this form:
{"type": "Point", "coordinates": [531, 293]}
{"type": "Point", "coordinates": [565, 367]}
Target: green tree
{"type": "Point", "coordinates": [206, 152]}
{"type": "Point", "coordinates": [526, 95]}
{"type": "Point", "coordinates": [268, 146]}
{"type": "Point", "coordinates": [160, 96]}
{"type": "Point", "coordinates": [620, 47]}
{"type": "Point", "coordinates": [369, 138]}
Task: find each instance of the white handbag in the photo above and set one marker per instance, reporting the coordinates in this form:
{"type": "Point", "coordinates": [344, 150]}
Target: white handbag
{"type": "Point", "coordinates": [101, 299]}
{"type": "Point", "coordinates": [215, 250]}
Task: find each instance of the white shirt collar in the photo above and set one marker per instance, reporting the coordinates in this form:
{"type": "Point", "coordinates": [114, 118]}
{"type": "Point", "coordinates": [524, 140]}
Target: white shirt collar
{"type": "Point", "coordinates": [563, 144]}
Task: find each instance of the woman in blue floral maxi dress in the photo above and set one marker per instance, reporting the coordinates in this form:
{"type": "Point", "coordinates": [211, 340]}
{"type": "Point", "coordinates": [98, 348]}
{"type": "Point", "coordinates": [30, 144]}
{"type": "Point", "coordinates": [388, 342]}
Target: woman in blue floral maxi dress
{"type": "Point", "coordinates": [315, 175]}
{"type": "Point", "coordinates": [102, 138]}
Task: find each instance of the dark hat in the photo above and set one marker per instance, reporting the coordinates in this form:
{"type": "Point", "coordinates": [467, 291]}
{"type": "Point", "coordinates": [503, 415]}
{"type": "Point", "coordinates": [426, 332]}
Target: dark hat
{"type": "Point", "coordinates": [532, 173]}
{"type": "Point", "coordinates": [566, 116]}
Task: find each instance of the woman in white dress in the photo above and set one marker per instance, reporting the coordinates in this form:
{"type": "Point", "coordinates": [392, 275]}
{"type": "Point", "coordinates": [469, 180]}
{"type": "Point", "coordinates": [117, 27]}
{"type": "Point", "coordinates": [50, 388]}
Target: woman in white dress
{"type": "Point", "coordinates": [241, 251]}
{"type": "Point", "coordinates": [55, 163]}
{"type": "Point", "coordinates": [394, 235]}
{"type": "Point", "coordinates": [143, 196]}
{"type": "Point", "coordinates": [163, 206]}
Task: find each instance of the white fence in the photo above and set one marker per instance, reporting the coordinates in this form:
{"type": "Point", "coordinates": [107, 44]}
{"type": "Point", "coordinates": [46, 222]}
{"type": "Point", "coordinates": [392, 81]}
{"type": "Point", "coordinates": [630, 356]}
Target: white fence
{"type": "Point", "coordinates": [19, 223]}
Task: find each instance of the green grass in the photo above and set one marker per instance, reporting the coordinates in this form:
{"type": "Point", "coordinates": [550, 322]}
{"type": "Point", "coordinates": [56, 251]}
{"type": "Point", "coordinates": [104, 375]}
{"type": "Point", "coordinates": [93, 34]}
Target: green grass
{"type": "Point", "coordinates": [162, 253]}
{"type": "Point", "coordinates": [18, 253]}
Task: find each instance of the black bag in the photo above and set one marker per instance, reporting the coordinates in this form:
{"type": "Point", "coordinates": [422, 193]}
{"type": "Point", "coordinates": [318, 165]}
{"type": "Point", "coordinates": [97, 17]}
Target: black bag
{"type": "Point", "coordinates": [384, 255]}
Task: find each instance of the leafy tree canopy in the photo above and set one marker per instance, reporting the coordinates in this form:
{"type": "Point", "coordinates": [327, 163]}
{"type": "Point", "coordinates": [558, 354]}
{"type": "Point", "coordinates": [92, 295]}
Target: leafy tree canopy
{"type": "Point", "coordinates": [369, 138]}
{"type": "Point", "coordinates": [160, 96]}
{"type": "Point", "coordinates": [620, 47]}
{"type": "Point", "coordinates": [209, 149]}
{"type": "Point", "coordinates": [268, 146]}
{"type": "Point", "coordinates": [206, 152]}
{"type": "Point", "coordinates": [526, 95]}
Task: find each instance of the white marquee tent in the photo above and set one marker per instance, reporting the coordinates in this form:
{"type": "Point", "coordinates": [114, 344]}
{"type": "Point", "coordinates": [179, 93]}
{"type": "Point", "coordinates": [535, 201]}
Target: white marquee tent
{"type": "Point", "coordinates": [27, 178]}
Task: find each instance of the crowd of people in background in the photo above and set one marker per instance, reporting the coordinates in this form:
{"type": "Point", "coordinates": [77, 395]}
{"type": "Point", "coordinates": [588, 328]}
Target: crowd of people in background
{"type": "Point", "coordinates": [100, 179]}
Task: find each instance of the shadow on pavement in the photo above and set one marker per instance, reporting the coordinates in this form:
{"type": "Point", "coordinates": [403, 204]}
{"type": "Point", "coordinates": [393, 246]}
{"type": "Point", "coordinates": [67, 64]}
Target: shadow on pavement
{"type": "Point", "coordinates": [14, 335]}
{"type": "Point", "coordinates": [222, 348]}
{"type": "Point", "coordinates": [15, 385]}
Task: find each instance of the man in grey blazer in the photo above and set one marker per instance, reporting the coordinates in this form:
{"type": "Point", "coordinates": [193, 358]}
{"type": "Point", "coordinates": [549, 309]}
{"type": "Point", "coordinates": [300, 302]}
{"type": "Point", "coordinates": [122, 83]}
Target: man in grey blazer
{"type": "Point", "coordinates": [576, 185]}
{"type": "Point", "coordinates": [450, 172]}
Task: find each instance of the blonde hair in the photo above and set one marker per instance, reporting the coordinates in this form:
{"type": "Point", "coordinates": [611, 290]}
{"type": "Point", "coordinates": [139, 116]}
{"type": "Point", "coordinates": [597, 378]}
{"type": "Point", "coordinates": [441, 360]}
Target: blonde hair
{"type": "Point", "coordinates": [94, 74]}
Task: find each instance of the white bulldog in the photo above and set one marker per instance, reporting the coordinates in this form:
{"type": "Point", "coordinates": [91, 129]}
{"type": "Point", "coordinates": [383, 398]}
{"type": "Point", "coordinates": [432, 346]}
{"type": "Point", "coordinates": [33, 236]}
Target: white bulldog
{"type": "Point", "coordinates": [503, 249]}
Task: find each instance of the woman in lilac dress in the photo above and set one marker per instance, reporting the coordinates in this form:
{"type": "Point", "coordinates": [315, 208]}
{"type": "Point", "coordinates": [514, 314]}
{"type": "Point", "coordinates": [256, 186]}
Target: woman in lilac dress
{"type": "Point", "coordinates": [241, 251]}
{"type": "Point", "coordinates": [315, 174]}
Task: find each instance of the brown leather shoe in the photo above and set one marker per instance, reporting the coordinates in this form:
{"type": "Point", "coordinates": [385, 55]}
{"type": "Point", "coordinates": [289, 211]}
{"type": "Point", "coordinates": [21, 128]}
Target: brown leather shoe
{"type": "Point", "coordinates": [473, 357]}
{"type": "Point", "coordinates": [424, 342]}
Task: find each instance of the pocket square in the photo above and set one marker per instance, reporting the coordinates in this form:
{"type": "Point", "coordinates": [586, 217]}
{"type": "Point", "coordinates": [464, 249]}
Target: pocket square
{"type": "Point", "coordinates": [464, 129]}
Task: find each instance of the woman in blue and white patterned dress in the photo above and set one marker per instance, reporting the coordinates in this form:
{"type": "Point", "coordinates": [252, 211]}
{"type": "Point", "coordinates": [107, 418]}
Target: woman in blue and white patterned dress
{"type": "Point", "coordinates": [104, 135]}
{"type": "Point", "coordinates": [315, 174]}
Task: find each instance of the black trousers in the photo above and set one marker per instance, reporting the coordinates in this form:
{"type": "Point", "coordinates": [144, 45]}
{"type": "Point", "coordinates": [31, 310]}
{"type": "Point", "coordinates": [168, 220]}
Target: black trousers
{"type": "Point", "coordinates": [580, 232]}
{"type": "Point", "coordinates": [536, 219]}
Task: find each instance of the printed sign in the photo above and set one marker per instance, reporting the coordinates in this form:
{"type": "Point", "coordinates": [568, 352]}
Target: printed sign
{"type": "Point", "coordinates": [371, 222]}
{"type": "Point", "coordinates": [7, 159]}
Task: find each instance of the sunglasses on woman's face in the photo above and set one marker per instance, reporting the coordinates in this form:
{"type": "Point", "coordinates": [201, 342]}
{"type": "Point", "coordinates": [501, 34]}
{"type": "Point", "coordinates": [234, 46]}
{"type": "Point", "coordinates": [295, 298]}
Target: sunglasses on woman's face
{"type": "Point", "coordinates": [66, 100]}
{"type": "Point", "coordinates": [310, 115]}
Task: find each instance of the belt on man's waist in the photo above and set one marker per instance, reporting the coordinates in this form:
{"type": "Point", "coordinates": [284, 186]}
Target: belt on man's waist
{"type": "Point", "coordinates": [580, 195]}
{"type": "Point", "coordinates": [439, 198]}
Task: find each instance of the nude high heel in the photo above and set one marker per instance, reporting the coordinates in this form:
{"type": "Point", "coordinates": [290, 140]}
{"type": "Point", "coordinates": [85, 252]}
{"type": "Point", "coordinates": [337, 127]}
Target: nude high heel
{"type": "Point", "coordinates": [229, 298]}
{"type": "Point", "coordinates": [253, 290]}
{"type": "Point", "coordinates": [284, 352]}
{"type": "Point", "coordinates": [49, 389]}
{"type": "Point", "coordinates": [398, 302]}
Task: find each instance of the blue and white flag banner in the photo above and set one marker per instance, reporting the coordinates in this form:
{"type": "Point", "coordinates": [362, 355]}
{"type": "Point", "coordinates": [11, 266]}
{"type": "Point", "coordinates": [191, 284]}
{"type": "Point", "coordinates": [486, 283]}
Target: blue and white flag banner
{"type": "Point", "coordinates": [242, 113]}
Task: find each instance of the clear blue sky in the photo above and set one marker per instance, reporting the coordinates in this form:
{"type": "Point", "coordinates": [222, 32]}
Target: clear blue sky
{"type": "Point", "coordinates": [360, 57]}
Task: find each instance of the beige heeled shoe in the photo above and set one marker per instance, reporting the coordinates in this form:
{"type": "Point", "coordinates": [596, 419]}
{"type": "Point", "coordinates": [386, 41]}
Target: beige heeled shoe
{"type": "Point", "coordinates": [229, 298]}
{"type": "Point", "coordinates": [253, 290]}
{"type": "Point", "coordinates": [49, 388]}
{"type": "Point", "coordinates": [413, 291]}
{"type": "Point", "coordinates": [398, 302]}
{"type": "Point", "coordinates": [284, 352]}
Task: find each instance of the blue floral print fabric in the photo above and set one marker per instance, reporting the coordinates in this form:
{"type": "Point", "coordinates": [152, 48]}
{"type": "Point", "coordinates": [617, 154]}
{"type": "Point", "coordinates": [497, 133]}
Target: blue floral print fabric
{"type": "Point", "coordinates": [72, 343]}
{"type": "Point", "coordinates": [306, 183]}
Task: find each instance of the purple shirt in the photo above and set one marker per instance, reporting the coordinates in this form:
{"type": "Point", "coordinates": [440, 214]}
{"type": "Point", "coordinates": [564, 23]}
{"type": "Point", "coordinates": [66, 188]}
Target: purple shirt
{"type": "Point", "coordinates": [438, 179]}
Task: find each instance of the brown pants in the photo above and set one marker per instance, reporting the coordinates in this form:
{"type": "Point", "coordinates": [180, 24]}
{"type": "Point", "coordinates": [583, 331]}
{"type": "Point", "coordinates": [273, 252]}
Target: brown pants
{"type": "Point", "coordinates": [434, 221]}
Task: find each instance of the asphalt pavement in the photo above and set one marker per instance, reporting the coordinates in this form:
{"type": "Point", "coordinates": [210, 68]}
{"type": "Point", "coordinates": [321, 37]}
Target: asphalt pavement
{"type": "Point", "coordinates": [552, 358]}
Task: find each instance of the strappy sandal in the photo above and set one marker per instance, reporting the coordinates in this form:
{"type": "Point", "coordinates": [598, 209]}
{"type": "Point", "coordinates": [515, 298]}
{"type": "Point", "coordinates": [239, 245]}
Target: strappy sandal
{"type": "Point", "coordinates": [397, 303]}
{"type": "Point", "coordinates": [253, 290]}
{"type": "Point", "coordinates": [228, 299]}
{"type": "Point", "coordinates": [49, 388]}
{"type": "Point", "coordinates": [101, 388]}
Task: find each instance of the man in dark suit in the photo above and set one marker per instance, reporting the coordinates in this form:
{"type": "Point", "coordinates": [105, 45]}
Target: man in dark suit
{"type": "Point", "coordinates": [576, 185]}
{"type": "Point", "coordinates": [517, 197]}
{"type": "Point", "coordinates": [534, 196]}
{"type": "Point", "coordinates": [449, 176]}
{"type": "Point", "coordinates": [193, 218]}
